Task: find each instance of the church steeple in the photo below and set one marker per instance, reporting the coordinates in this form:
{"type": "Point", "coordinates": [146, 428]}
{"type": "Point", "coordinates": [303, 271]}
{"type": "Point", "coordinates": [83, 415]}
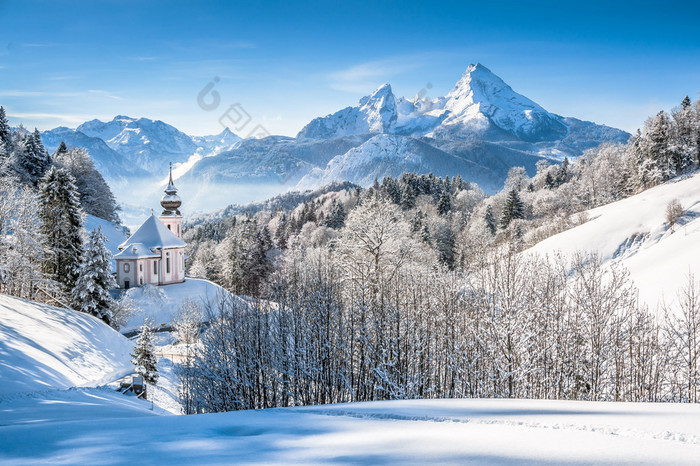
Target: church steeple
{"type": "Point", "coordinates": [171, 202]}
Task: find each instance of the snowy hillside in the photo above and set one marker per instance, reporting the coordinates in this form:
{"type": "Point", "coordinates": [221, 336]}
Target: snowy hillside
{"type": "Point", "coordinates": [161, 304]}
{"type": "Point", "coordinates": [390, 432]}
{"type": "Point", "coordinates": [44, 347]}
{"type": "Point", "coordinates": [390, 155]}
{"type": "Point", "coordinates": [634, 233]}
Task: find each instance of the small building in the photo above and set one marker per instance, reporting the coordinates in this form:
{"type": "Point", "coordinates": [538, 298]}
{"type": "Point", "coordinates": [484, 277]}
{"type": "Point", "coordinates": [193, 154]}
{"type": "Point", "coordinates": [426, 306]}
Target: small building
{"type": "Point", "coordinates": [155, 253]}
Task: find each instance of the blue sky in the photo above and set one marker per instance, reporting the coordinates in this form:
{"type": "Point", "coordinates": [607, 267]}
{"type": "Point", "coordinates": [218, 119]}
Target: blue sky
{"type": "Point", "coordinates": [285, 63]}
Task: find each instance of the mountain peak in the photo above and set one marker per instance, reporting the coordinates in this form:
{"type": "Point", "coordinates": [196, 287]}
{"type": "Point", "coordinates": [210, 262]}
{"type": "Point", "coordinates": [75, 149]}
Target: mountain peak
{"type": "Point", "coordinates": [382, 94]}
{"type": "Point", "coordinates": [481, 99]}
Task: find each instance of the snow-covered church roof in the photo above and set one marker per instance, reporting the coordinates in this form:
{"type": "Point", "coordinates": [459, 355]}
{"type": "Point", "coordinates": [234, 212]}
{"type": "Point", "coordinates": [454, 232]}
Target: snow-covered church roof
{"type": "Point", "coordinates": [153, 234]}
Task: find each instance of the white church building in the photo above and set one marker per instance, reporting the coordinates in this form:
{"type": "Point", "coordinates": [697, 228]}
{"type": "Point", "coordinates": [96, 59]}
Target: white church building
{"type": "Point", "coordinates": [155, 253]}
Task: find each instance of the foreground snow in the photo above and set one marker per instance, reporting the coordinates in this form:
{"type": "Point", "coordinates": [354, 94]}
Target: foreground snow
{"type": "Point", "coordinates": [44, 347]}
{"type": "Point", "coordinates": [634, 233]}
{"type": "Point", "coordinates": [114, 429]}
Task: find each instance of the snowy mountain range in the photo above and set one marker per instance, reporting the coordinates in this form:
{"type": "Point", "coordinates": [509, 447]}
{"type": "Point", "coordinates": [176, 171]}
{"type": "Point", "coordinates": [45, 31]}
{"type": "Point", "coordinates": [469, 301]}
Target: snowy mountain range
{"type": "Point", "coordinates": [479, 130]}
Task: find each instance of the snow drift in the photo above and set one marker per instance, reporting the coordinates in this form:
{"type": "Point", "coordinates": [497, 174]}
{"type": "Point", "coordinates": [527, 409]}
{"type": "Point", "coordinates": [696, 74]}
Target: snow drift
{"type": "Point", "coordinates": [44, 347]}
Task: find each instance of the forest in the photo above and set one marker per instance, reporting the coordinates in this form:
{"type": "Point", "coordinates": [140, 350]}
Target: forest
{"type": "Point", "coordinates": [45, 253]}
{"type": "Point", "coordinates": [421, 287]}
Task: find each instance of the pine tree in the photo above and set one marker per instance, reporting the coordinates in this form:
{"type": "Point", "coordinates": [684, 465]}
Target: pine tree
{"type": "Point", "coordinates": [32, 159]}
{"type": "Point", "coordinates": [563, 172]}
{"type": "Point", "coordinates": [61, 149]}
{"type": "Point", "coordinates": [408, 197]}
{"type": "Point", "coordinates": [61, 222]}
{"type": "Point", "coordinates": [336, 217]}
{"type": "Point", "coordinates": [514, 208]}
{"type": "Point", "coordinates": [490, 219]}
{"type": "Point", "coordinates": [91, 291]}
{"type": "Point", "coordinates": [549, 181]}
{"type": "Point", "coordinates": [444, 204]}
{"type": "Point", "coordinates": [685, 103]}
{"type": "Point", "coordinates": [144, 355]}
{"type": "Point", "coordinates": [5, 134]}
{"type": "Point", "coordinates": [656, 154]}
{"type": "Point", "coordinates": [686, 144]}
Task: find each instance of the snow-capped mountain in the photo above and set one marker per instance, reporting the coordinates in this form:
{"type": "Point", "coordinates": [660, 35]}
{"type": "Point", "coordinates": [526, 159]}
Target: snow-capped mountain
{"type": "Point", "coordinates": [146, 143]}
{"type": "Point", "coordinates": [112, 164]}
{"type": "Point", "coordinates": [481, 106]}
{"type": "Point", "coordinates": [216, 143]}
{"type": "Point", "coordinates": [376, 113]}
{"type": "Point", "coordinates": [479, 130]}
{"type": "Point", "coordinates": [480, 100]}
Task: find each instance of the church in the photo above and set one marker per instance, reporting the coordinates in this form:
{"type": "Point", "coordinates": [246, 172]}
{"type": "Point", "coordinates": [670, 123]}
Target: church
{"type": "Point", "coordinates": [155, 253]}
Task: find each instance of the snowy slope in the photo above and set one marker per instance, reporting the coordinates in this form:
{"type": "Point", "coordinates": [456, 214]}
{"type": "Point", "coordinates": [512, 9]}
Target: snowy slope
{"type": "Point", "coordinates": [391, 432]}
{"type": "Point", "coordinates": [160, 304]}
{"type": "Point", "coordinates": [634, 232]}
{"type": "Point", "coordinates": [44, 347]}
{"type": "Point", "coordinates": [390, 155]}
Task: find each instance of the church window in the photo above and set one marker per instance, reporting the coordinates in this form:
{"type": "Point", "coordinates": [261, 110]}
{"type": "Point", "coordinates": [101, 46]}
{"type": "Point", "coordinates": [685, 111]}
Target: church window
{"type": "Point", "coordinates": [167, 262]}
{"type": "Point", "coordinates": [155, 267]}
{"type": "Point", "coordinates": [127, 268]}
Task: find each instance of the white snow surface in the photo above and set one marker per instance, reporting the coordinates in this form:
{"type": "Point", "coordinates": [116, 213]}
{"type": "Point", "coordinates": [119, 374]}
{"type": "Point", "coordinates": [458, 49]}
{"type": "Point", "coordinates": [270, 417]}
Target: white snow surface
{"type": "Point", "coordinates": [44, 348]}
{"type": "Point", "coordinates": [634, 233]}
{"type": "Point", "coordinates": [160, 304]}
{"type": "Point", "coordinates": [113, 429]}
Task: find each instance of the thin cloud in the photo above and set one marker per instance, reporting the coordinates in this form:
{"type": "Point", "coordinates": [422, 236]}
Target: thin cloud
{"type": "Point", "coordinates": [62, 117]}
{"type": "Point", "coordinates": [366, 76]}
{"type": "Point", "coordinates": [89, 93]}
{"type": "Point", "coordinates": [104, 93]}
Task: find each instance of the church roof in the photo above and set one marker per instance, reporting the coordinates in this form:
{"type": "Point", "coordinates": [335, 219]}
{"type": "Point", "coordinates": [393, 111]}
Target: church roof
{"type": "Point", "coordinates": [153, 234]}
{"type": "Point", "coordinates": [136, 251]}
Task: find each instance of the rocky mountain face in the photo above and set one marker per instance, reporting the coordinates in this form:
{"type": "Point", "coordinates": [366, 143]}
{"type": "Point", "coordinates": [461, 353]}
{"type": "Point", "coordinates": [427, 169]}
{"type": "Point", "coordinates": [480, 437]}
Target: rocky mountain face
{"type": "Point", "coordinates": [479, 130]}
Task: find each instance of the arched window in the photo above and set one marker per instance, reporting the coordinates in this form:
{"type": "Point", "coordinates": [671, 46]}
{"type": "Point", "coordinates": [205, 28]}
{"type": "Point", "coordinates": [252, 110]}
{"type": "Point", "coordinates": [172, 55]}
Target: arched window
{"type": "Point", "coordinates": [127, 268]}
{"type": "Point", "coordinates": [167, 262]}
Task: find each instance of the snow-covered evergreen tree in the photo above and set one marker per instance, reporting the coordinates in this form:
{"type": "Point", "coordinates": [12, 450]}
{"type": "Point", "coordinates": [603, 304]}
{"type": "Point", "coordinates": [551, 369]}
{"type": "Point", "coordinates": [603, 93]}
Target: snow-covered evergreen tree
{"type": "Point", "coordinates": [513, 208]}
{"type": "Point", "coordinates": [61, 223]}
{"type": "Point", "coordinates": [444, 203]}
{"type": "Point", "coordinates": [144, 355]}
{"type": "Point", "coordinates": [96, 197]}
{"type": "Point", "coordinates": [5, 135]}
{"type": "Point", "coordinates": [91, 291]}
{"type": "Point", "coordinates": [32, 160]}
{"type": "Point", "coordinates": [656, 151]}
{"type": "Point", "coordinates": [490, 219]}
{"type": "Point", "coordinates": [336, 217]}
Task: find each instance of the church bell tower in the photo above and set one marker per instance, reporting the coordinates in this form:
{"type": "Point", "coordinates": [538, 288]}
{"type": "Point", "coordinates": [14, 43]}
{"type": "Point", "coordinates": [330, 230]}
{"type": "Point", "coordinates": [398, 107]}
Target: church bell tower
{"type": "Point", "coordinates": [171, 202]}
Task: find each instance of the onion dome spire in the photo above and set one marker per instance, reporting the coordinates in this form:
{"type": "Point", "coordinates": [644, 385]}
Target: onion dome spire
{"type": "Point", "coordinates": [171, 202]}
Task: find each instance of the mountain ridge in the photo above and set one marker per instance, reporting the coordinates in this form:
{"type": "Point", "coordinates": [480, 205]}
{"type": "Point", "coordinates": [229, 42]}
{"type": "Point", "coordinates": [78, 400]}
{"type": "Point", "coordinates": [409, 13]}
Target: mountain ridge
{"type": "Point", "coordinates": [480, 129]}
